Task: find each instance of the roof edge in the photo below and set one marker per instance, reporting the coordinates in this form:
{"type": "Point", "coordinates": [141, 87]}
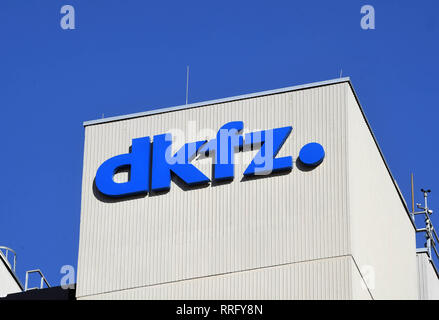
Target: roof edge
{"type": "Point", "coordinates": [210, 102]}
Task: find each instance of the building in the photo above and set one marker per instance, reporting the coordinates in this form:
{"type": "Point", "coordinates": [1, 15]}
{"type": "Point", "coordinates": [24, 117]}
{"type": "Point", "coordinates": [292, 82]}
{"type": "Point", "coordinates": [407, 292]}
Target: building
{"type": "Point", "coordinates": [12, 289]}
{"type": "Point", "coordinates": [315, 215]}
{"type": "Point", "coordinates": [308, 233]}
{"type": "Point", "coordinates": [9, 282]}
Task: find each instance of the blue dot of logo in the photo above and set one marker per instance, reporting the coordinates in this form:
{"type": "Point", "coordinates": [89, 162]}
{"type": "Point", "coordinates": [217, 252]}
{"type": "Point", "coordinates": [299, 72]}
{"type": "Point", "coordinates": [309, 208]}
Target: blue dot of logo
{"type": "Point", "coordinates": [312, 154]}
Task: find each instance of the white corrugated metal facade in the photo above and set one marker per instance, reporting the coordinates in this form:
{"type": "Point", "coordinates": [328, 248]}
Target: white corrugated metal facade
{"type": "Point", "coordinates": [306, 234]}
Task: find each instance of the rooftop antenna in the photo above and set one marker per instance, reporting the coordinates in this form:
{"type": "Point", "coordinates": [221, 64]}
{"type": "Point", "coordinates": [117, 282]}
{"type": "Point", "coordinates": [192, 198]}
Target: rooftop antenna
{"type": "Point", "coordinates": [341, 73]}
{"type": "Point", "coordinates": [187, 83]}
{"type": "Point", "coordinates": [430, 233]}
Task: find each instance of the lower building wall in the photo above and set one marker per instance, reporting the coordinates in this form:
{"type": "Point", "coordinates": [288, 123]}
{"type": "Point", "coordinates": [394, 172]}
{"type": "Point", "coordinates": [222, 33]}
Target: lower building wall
{"type": "Point", "coordinates": [428, 280]}
{"type": "Point", "coordinates": [360, 285]}
{"type": "Point", "coordinates": [329, 278]}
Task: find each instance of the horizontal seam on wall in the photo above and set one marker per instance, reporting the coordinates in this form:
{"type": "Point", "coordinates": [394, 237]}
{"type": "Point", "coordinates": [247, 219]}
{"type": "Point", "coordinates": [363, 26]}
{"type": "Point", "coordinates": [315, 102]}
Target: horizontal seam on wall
{"type": "Point", "coordinates": [216, 275]}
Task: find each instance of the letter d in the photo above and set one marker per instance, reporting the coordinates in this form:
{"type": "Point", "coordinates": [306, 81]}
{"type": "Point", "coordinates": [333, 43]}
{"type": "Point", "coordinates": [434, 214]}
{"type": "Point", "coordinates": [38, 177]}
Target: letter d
{"type": "Point", "coordinates": [138, 162]}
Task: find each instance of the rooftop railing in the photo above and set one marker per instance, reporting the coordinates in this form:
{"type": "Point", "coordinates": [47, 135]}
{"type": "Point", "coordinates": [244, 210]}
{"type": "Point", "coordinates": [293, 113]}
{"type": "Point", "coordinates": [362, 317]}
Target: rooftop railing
{"type": "Point", "coordinates": [43, 280]}
{"type": "Point", "coordinates": [5, 252]}
{"type": "Point", "coordinates": [431, 237]}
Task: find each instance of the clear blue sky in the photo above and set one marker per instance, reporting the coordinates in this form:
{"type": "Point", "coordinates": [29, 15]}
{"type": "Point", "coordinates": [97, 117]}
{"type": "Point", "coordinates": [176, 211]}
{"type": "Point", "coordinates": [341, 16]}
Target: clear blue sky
{"type": "Point", "coordinates": [131, 56]}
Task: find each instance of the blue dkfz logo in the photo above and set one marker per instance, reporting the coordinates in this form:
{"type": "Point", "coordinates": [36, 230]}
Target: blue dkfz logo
{"type": "Point", "coordinates": [151, 163]}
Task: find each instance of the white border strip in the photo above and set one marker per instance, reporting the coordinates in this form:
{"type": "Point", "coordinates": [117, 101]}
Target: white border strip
{"type": "Point", "coordinates": [210, 102]}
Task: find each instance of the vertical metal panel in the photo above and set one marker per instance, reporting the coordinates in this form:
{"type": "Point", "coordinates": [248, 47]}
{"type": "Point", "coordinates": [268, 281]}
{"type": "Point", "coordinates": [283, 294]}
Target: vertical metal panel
{"type": "Point", "coordinates": [221, 228]}
{"type": "Point", "coordinates": [315, 279]}
{"type": "Point", "coordinates": [422, 261]}
{"type": "Point", "coordinates": [428, 282]}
